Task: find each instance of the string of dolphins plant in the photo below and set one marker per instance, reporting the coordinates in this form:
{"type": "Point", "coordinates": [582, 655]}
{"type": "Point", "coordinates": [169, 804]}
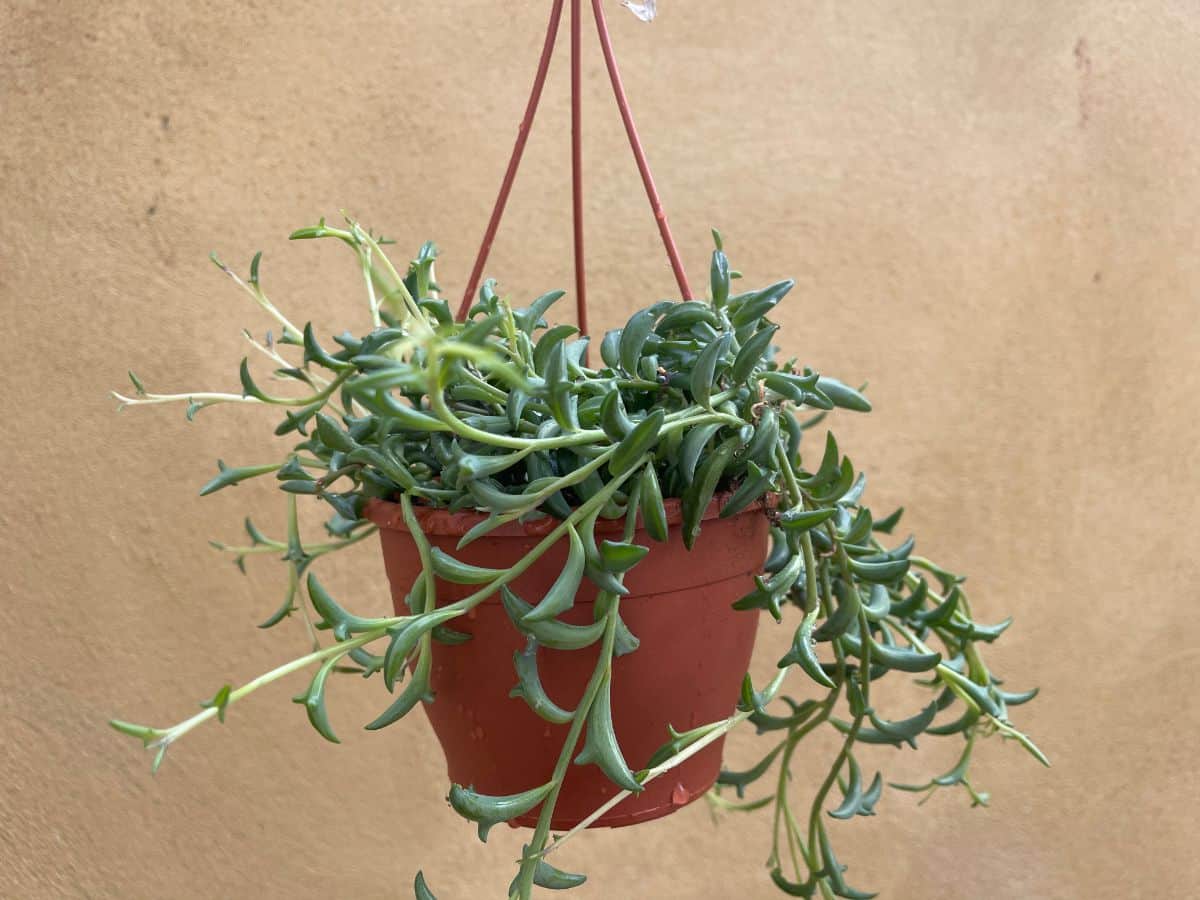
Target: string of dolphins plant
{"type": "Point", "coordinates": [502, 413]}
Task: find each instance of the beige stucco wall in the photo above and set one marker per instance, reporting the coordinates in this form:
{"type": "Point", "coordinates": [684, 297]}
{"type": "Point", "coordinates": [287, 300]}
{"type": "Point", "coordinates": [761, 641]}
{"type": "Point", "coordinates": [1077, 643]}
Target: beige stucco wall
{"type": "Point", "coordinates": [990, 208]}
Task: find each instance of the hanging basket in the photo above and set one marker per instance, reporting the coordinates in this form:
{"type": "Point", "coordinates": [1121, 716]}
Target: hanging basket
{"type": "Point", "coordinates": [695, 650]}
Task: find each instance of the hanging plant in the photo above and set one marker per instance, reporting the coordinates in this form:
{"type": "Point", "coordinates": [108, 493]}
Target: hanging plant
{"type": "Point", "coordinates": [579, 553]}
{"type": "Point", "coordinates": [539, 510]}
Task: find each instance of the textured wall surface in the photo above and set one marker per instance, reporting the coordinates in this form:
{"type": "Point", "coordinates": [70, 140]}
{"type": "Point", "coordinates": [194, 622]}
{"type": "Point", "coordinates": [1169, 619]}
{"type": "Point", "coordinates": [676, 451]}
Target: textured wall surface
{"type": "Point", "coordinates": [991, 212]}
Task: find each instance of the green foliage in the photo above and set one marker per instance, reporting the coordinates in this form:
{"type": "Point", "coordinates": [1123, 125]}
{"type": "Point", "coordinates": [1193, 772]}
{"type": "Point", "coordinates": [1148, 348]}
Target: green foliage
{"type": "Point", "coordinates": [219, 701]}
{"type": "Point", "coordinates": [529, 686]}
{"type": "Point", "coordinates": [601, 746]}
{"type": "Point", "coordinates": [421, 890]}
{"type": "Point", "coordinates": [501, 414]}
{"type": "Point", "coordinates": [488, 811]}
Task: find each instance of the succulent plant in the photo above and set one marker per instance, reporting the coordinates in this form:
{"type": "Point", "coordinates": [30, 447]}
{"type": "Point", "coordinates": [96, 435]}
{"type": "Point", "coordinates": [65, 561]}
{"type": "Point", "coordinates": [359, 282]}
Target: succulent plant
{"type": "Point", "coordinates": [504, 414]}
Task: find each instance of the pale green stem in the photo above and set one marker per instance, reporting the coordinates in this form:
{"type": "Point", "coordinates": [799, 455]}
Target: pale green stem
{"type": "Point", "coordinates": [275, 357]}
{"type": "Point", "coordinates": [199, 397]}
{"type": "Point", "coordinates": [412, 310]}
{"type": "Point", "coordinates": [297, 590]}
{"type": "Point", "coordinates": [603, 670]}
{"type": "Point", "coordinates": [782, 808]}
{"type": "Point", "coordinates": [208, 397]}
{"type": "Point", "coordinates": [290, 331]}
{"type": "Point", "coordinates": [720, 729]}
{"type": "Point", "coordinates": [1005, 728]}
{"type": "Point", "coordinates": [364, 257]}
{"type": "Point", "coordinates": [341, 648]}
{"type": "Point", "coordinates": [313, 550]}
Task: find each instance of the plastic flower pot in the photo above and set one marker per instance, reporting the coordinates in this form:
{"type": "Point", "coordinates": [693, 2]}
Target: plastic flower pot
{"type": "Point", "coordinates": [694, 651]}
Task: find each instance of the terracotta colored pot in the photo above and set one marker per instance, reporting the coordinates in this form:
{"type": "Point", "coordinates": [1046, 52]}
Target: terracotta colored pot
{"type": "Point", "coordinates": [695, 650]}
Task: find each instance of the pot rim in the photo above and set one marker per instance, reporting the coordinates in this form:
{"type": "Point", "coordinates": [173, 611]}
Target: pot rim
{"type": "Point", "coordinates": [456, 523]}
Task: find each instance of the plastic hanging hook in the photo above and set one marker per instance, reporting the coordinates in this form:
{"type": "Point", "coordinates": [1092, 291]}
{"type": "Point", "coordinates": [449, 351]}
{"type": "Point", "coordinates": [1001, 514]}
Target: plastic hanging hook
{"type": "Point", "coordinates": [644, 11]}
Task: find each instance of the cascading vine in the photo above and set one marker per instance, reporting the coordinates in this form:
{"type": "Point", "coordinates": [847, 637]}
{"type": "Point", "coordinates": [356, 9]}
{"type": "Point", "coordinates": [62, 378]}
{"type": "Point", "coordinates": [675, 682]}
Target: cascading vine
{"type": "Point", "coordinates": [501, 413]}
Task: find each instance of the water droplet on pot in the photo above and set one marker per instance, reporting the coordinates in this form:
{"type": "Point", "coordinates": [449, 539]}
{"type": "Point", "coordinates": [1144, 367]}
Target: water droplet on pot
{"type": "Point", "coordinates": [680, 796]}
{"type": "Point", "coordinates": [459, 708]}
{"type": "Point", "coordinates": [546, 733]}
{"type": "Point", "coordinates": [477, 733]}
{"type": "Point", "coordinates": [472, 613]}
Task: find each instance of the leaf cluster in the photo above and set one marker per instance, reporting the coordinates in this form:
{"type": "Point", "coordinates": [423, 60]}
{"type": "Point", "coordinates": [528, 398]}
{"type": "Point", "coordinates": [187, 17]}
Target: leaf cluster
{"type": "Point", "coordinates": [509, 415]}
